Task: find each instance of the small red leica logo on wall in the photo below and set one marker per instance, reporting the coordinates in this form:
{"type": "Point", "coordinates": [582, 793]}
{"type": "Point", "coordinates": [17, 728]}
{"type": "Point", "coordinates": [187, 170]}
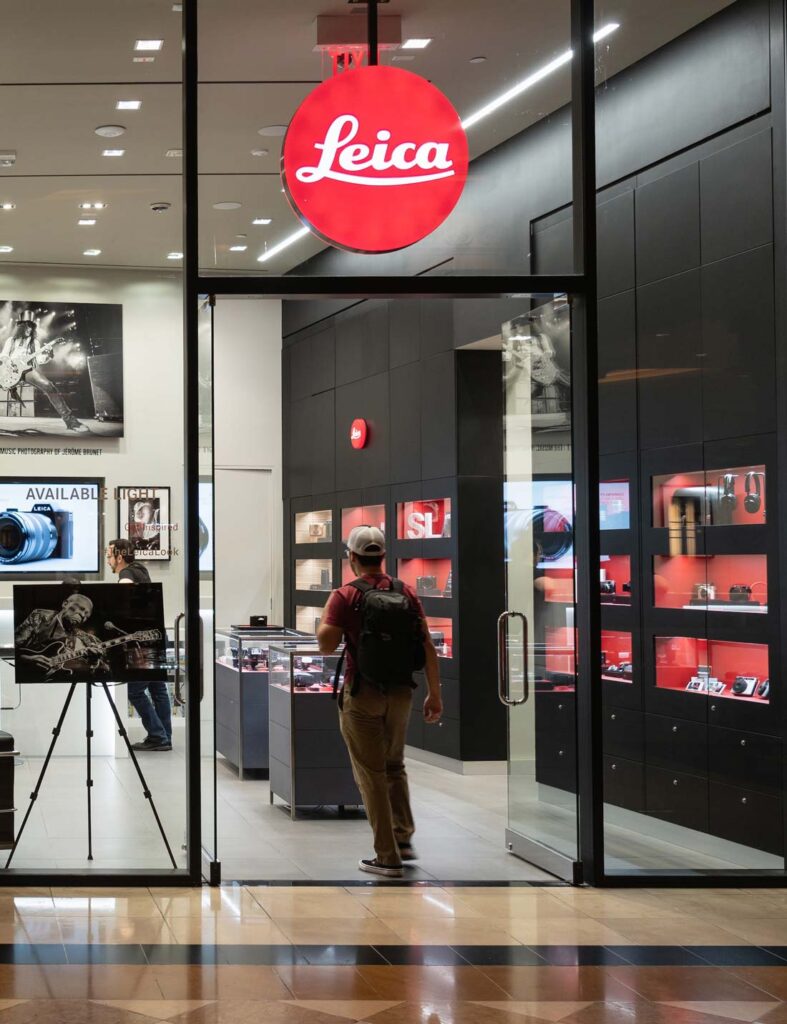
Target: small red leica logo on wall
{"type": "Point", "coordinates": [359, 433]}
{"type": "Point", "coordinates": [374, 159]}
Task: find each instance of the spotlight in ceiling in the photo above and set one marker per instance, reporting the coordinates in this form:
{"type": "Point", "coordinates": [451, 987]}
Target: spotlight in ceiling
{"type": "Point", "coordinates": [143, 60]}
{"type": "Point", "coordinates": [415, 44]}
{"type": "Point", "coordinates": [6, 248]}
{"type": "Point", "coordinates": [273, 130]}
{"type": "Point", "coordinates": [7, 206]}
{"type": "Point", "coordinates": [92, 206]}
{"type": "Point", "coordinates": [92, 252]}
{"type": "Point", "coordinates": [7, 157]}
{"type": "Point", "coordinates": [128, 105]}
{"type": "Point", "coordinates": [174, 255]}
{"type": "Point", "coordinates": [174, 153]}
{"type": "Point", "coordinates": [238, 248]}
{"type": "Point", "coordinates": [113, 152]}
{"type": "Point", "coordinates": [148, 44]}
{"type": "Point", "coordinates": [160, 207]}
{"type": "Point", "coordinates": [109, 131]}
{"type": "Point", "coordinates": [227, 206]}
{"type": "Point", "coordinates": [86, 222]}
{"type": "Point", "coordinates": [262, 220]}
{"type": "Point", "coordinates": [259, 152]}
{"type": "Point", "coordinates": [477, 60]}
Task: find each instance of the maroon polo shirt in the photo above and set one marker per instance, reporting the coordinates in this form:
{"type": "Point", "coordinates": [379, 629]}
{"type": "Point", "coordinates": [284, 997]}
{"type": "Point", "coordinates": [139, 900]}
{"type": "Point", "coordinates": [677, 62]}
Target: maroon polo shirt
{"type": "Point", "coordinates": [344, 610]}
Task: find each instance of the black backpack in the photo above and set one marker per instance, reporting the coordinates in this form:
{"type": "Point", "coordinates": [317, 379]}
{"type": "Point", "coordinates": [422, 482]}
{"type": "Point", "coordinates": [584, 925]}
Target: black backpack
{"type": "Point", "coordinates": [391, 643]}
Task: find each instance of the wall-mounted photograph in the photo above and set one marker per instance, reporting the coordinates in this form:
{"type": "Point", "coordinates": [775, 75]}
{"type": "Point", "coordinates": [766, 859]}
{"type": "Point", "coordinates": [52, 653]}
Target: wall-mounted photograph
{"type": "Point", "coordinates": [88, 633]}
{"type": "Point", "coordinates": [144, 517]}
{"type": "Point", "coordinates": [61, 369]}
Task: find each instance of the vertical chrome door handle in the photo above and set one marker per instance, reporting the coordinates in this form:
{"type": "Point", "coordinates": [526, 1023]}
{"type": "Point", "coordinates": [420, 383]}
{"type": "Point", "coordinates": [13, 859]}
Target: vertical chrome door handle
{"type": "Point", "coordinates": [179, 699]}
{"type": "Point", "coordinates": [503, 675]}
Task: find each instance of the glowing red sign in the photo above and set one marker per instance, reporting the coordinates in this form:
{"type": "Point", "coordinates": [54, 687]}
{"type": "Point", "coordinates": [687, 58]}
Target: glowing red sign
{"type": "Point", "coordinates": [374, 159]}
{"type": "Point", "coordinates": [359, 433]}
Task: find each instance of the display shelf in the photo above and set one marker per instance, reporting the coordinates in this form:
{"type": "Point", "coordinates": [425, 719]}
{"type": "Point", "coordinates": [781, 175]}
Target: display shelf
{"type": "Point", "coordinates": [307, 618]}
{"type": "Point", "coordinates": [427, 519]}
{"type": "Point", "coordinates": [717, 583]}
{"type": "Point", "coordinates": [615, 579]}
{"type": "Point", "coordinates": [617, 662]}
{"type": "Point", "coordinates": [685, 502]}
{"type": "Point", "coordinates": [442, 633]}
{"type": "Point", "coordinates": [313, 574]}
{"type": "Point", "coordinates": [362, 515]}
{"type": "Point", "coordinates": [558, 658]}
{"type": "Point", "coordinates": [429, 577]}
{"type": "Point", "coordinates": [314, 527]}
{"type": "Point", "coordinates": [558, 585]}
{"type": "Point", "coordinates": [614, 508]}
{"type": "Point", "coordinates": [713, 668]}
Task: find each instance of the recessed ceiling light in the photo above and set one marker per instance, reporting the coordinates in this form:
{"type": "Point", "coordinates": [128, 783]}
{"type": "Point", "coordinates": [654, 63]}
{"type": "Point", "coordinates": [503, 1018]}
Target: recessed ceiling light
{"type": "Point", "coordinates": [7, 206]}
{"type": "Point", "coordinates": [7, 157]}
{"type": "Point", "coordinates": [477, 60]}
{"type": "Point", "coordinates": [128, 105]}
{"type": "Point", "coordinates": [92, 206]}
{"type": "Point", "coordinates": [259, 152]}
{"type": "Point", "coordinates": [238, 248]}
{"type": "Point", "coordinates": [148, 44]}
{"type": "Point", "coordinates": [113, 152]}
{"type": "Point", "coordinates": [261, 220]}
{"type": "Point", "coordinates": [86, 222]}
{"type": "Point", "coordinates": [92, 252]}
{"type": "Point", "coordinates": [143, 60]}
{"type": "Point", "coordinates": [174, 255]}
{"type": "Point", "coordinates": [174, 152]}
{"type": "Point", "coordinates": [227, 206]}
{"type": "Point", "coordinates": [399, 57]}
{"type": "Point", "coordinates": [177, 8]}
{"type": "Point", "coordinates": [109, 131]}
{"type": "Point", "coordinates": [6, 248]}
{"type": "Point", "coordinates": [415, 44]}
{"type": "Point", "coordinates": [273, 130]}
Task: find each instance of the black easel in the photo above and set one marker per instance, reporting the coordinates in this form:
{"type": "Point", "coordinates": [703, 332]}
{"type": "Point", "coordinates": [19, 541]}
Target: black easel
{"type": "Point", "coordinates": [89, 736]}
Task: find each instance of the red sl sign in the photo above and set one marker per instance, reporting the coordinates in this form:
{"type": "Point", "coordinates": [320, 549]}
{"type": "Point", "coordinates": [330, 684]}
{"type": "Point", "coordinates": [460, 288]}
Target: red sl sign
{"type": "Point", "coordinates": [359, 433]}
{"type": "Point", "coordinates": [374, 159]}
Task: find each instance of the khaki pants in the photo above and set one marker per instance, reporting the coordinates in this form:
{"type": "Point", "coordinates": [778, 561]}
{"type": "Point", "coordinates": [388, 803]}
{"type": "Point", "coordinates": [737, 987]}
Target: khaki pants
{"type": "Point", "coordinates": [374, 726]}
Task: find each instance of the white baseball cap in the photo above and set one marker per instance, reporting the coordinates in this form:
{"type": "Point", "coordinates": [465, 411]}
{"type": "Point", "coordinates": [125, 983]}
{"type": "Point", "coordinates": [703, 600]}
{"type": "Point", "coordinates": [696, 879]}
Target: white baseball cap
{"type": "Point", "coordinates": [366, 540]}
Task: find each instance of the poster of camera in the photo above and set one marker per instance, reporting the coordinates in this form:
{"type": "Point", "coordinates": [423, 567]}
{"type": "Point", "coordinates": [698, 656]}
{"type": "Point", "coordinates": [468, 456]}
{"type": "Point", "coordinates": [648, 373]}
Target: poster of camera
{"type": "Point", "coordinates": [88, 633]}
{"type": "Point", "coordinates": [61, 369]}
{"type": "Point", "coordinates": [144, 518]}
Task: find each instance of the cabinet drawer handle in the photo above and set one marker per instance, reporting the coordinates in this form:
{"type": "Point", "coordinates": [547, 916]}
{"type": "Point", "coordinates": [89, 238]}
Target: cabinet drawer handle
{"type": "Point", "coordinates": [612, 718]}
{"type": "Point", "coordinates": [675, 782]}
{"type": "Point", "coordinates": [560, 753]}
{"type": "Point", "coordinates": [674, 728]}
{"type": "Point", "coordinates": [560, 707]}
{"type": "Point", "coordinates": [614, 767]}
{"type": "Point", "coordinates": [744, 800]}
{"type": "Point", "coordinates": [713, 707]}
{"type": "Point", "coordinates": [743, 743]}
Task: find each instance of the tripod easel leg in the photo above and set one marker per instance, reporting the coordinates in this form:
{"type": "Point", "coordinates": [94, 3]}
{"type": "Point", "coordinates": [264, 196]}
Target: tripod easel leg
{"type": "Point", "coordinates": [89, 782]}
{"type": "Point", "coordinates": [34, 794]}
{"type": "Point", "coordinates": [133, 756]}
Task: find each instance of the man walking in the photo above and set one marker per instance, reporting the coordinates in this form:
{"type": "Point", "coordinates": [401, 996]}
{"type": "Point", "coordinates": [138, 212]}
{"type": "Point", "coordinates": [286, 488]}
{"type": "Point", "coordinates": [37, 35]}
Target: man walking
{"type": "Point", "coordinates": [387, 638]}
{"type": "Point", "coordinates": [155, 714]}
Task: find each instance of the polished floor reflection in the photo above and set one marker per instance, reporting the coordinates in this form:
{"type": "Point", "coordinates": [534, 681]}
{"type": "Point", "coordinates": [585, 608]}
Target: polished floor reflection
{"type": "Point", "coordinates": [392, 954]}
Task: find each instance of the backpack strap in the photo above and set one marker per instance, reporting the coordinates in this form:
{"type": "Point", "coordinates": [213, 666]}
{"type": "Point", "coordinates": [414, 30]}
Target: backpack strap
{"type": "Point", "coordinates": [363, 588]}
{"type": "Point", "coordinates": [338, 673]}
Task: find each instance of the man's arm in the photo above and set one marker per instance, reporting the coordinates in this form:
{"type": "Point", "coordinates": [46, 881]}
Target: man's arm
{"type": "Point", "coordinates": [433, 705]}
{"type": "Point", "coordinates": [329, 635]}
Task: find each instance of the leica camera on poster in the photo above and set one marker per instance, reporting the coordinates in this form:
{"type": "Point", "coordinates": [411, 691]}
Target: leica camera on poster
{"type": "Point", "coordinates": [42, 533]}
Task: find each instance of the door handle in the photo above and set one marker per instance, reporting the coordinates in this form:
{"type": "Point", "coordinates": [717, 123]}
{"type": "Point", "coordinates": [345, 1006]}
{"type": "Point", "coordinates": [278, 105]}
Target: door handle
{"type": "Point", "coordinates": [503, 674]}
{"type": "Point", "coordinates": [179, 699]}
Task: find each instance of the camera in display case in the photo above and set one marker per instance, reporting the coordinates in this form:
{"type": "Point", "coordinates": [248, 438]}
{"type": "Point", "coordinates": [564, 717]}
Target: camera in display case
{"type": "Point", "coordinates": [615, 579]}
{"type": "Point", "coordinates": [719, 583]}
{"type": "Point", "coordinates": [720, 668]}
{"type": "Point", "coordinates": [314, 527]}
{"type": "Point", "coordinates": [442, 634]}
{"type": "Point", "coordinates": [307, 618]}
{"type": "Point", "coordinates": [685, 502]}
{"type": "Point", "coordinates": [429, 577]}
{"type": "Point", "coordinates": [313, 574]}
{"type": "Point", "coordinates": [617, 662]}
{"type": "Point", "coordinates": [309, 763]}
{"type": "Point", "coordinates": [423, 519]}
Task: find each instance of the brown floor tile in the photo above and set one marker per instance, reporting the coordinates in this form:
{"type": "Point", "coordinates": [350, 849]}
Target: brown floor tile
{"type": "Point", "coordinates": [111, 930]}
{"type": "Point", "coordinates": [218, 982]}
{"type": "Point", "coordinates": [308, 982]}
{"type": "Point", "coordinates": [107, 981]}
{"type": "Point", "coordinates": [671, 931]}
{"type": "Point", "coordinates": [560, 984]}
{"type": "Point", "coordinates": [303, 903]}
{"type": "Point", "coordinates": [748, 1011]}
{"type": "Point", "coordinates": [769, 980]}
{"type": "Point", "coordinates": [449, 1013]}
{"type": "Point", "coordinates": [340, 931]}
{"type": "Point", "coordinates": [254, 1012]}
{"type": "Point", "coordinates": [660, 984]}
{"type": "Point", "coordinates": [70, 1011]}
{"type": "Point", "coordinates": [451, 931]}
{"type": "Point", "coordinates": [775, 1016]}
{"type": "Point", "coordinates": [346, 1009]}
{"type": "Point", "coordinates": [641, 1012]}
{"type": "Point", "coordinates": [442, 984]}
{"type": "Point", "coordinates": [158, 1009]}
{"type": "Point", "coordinates": [541, 1011]}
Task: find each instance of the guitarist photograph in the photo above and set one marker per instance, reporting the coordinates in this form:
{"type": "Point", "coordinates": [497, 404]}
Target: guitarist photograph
{"type": "Point", "coordinates": [59, 633]}
{"type": "Point", "coordinates": [22, 356]}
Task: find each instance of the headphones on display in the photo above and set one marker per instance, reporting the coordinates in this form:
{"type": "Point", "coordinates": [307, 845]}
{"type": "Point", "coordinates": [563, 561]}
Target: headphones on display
{"type": "Point", "coordinates": [727, 497]}
{"type": "Point", "coordinates": [753, 499]}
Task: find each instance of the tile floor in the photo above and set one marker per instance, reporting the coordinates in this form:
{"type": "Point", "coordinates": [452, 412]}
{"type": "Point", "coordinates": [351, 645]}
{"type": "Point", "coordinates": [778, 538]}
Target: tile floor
{"type": "Point", "coordinates": [389, 955]}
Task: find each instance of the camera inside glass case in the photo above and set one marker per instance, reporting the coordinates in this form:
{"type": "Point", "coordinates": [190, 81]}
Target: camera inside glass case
{"type": "Point", "coordinates": [719, 583]}
{"type": "Point", "coordinates": [302, 668]}
{"type": "Point", "coordinates": [718, 668]}
{"type": "Point", "coordinates": [684, 502]}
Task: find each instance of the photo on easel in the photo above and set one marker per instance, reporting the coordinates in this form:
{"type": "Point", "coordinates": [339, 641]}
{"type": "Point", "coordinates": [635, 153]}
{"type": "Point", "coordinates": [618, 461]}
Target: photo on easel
{"type": "Point", "coordinates": [144, 517]}
{"type": "Point", "coordinates": [89, 632]}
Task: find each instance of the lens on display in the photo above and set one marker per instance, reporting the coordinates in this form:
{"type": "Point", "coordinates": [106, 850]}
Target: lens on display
{"type": "Point", "coordinates": [25, 537]}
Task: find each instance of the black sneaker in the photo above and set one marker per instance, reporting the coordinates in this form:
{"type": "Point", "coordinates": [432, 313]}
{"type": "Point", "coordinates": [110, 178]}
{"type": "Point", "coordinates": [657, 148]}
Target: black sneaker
{"type": "Point", "coordinates": [374, 867]}
{"type": "Point", "coordinates": [407, 852]}
{"type": "Point", "coordinates": [151, 743]}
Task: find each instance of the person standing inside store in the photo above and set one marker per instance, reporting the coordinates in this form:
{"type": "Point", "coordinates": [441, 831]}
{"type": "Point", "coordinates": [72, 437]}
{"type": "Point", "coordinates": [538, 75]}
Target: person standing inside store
{"type": "Point", "coordinates": [373, 718]}
{"type": "Point", "coordinates": [155, 711]}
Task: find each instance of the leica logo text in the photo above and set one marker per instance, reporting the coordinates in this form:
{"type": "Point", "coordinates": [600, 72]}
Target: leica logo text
{"type": "Point", "coordinates": [352, 159]}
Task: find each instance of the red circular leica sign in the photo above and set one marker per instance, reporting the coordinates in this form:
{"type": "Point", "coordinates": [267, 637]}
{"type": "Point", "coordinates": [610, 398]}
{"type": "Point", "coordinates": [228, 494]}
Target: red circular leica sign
{"type": "Point", "coordinates": [358, 433]}
{"type": "Point", "coordinates": [374, 159]}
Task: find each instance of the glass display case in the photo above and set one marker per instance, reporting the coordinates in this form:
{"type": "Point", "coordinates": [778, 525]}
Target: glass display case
{"type": "Point", "coordinates": [241, 674]}
{"type": "Point", "coordinates": [683, 502]}
{"type": "Point", "coordinates": [309, 764]}
{"type": "Point", "coordinates": [441, 631]}
{"type": "Point", "coordinates": [362, 515]}
{"type": "Point", "coordinates": [617, 662]}
{"type": "Point", "coordinates": [614, 512]}
{"type": "Point", "coordinates": [423, 519]}
{"type": "Point", "coordinates": [429, 577]}
{"type": "Point", "coordinates": [313, 574]}
{"type": "Point", "coordinates": [314, 527]}
{"type": "Point", "coordinates": [715, 668]}
{"type": "Point", "coordinates": [719, 583]}
{"type": "Point", "coordinates": [615, 579]}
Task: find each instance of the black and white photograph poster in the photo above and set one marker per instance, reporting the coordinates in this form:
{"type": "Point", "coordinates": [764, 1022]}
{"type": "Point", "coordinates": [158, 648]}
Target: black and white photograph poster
{"type": "Point", "coordinates": [61, 369]}
{"type": "Point", "coordinates": [144, 518]}
{"type": "Point", "coordinates": [89, 632]}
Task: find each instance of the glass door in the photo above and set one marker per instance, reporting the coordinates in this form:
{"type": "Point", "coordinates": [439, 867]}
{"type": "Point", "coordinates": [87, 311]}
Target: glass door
{"type": "Point", "coordinates": [536, 641]}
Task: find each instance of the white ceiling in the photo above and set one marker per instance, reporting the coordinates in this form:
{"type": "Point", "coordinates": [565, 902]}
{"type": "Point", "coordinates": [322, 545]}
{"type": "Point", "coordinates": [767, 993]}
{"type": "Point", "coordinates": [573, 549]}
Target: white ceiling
{"type": "Point", "coordinates": [64, 65]}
